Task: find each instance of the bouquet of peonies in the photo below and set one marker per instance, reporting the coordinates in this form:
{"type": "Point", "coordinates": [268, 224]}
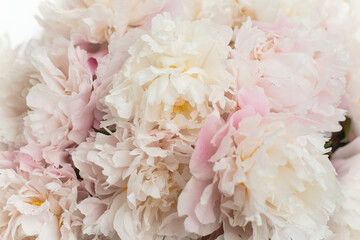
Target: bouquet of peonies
{"type": "Point", "coordinates": [183, 119]}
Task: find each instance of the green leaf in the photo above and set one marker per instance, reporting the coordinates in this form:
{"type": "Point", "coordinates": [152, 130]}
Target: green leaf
{"type": "Point", "coordinates": [103, 131]}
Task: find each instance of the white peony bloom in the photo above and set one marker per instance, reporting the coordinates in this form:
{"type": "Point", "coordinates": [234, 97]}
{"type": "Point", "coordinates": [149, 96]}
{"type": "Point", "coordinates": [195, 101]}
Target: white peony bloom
{"type": "Point", "coordinates": [36, 206]}
{"type": "Point", "coordinates": [104, 160]}
{"type": "Point", "coordinates": [151, 201]}
{"type": "Point", "coordinates": [134, 192]}
{"type": "Point", "coordinates": [229, 12]}
{"type": "Point", "coordinates": [111, 64]}
{"type": "Point", "coordinates": [346, 222]}
{"type": "Point", "coordinates": [175, 76]}
{"type": "Point", "coordinates": [16, 75]}
{"type": "Point", "coordinates": [312, 13]}
{"type": "Point", "coordinates": [262, 178]}
{"type": "Point", "coordinates": [164, 90]}
{"type": "Point", "coordinates": [141, 10]}
{"type": "Point", "coordinates": [95, 21]}
{"type": "Point", "coordinates": [84, 20]}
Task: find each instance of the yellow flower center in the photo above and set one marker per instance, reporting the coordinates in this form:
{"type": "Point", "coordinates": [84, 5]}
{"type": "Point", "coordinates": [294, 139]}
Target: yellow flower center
{"type": "Point", "coordinates": [36, 203]}
{"type": "Point", "coordinates": [182, 107]}
{"type": "Point", "coordinates": [184, 69]}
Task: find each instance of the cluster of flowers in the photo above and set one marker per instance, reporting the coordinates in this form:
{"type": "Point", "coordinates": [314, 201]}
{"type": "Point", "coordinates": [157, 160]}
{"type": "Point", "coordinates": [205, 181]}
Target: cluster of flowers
{"type": "Point", "coordinates": [182, 119]}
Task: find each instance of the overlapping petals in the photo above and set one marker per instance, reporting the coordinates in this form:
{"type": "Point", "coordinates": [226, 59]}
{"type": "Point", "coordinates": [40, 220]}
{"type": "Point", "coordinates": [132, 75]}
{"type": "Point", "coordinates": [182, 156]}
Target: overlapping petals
{"type": "Point", "coordinates": [262, 172]}
{"type": "Point", "coordinates": [61, 109]}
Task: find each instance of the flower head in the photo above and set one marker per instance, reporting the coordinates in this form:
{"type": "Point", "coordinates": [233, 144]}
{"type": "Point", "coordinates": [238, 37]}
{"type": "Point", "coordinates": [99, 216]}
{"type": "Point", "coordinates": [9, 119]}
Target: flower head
{"type": "Point", "coordinates": [37, 205]}
{"type": "Point", "coordinates": [263, 173]}
{"type": "Point", "coordinates": [61, 104]}
{"type": "Point", "coordinates": [175, 76]}
{"type": "Point", "coordinates": [302, 72]}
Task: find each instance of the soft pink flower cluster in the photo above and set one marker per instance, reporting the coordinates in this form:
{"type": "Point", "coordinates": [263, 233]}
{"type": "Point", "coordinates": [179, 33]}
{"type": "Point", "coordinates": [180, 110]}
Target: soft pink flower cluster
{"type": "Point", "coordinates": [181, 119]}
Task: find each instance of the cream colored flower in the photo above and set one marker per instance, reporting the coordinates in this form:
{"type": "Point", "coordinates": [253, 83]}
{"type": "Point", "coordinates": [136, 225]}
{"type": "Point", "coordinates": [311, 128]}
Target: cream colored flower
{"type": "Point", "coordinates": [142, 10]}
{"type": "Point", "coordinates": [175, 76]}
{"type": "Point", "coordinates": [104, 161]}
{"type": "Point", "coordinates": [36, 206]}
{"type": "Point", "coordinates": [16, 75]}
{"type": "Point", "coordinates": [262, 178]}
{"type": "Point", "coordinates": [229, 12]}
{"type": "Point", "coordinates": [84, 21]}
{"type": "Point", "coordinates": [135, 194]}
{"type": "Point", "coordinates": [312, 13]}
{"type": "Point", "coordinates": [95, 21]}
{"type": "Point", "coordinates": [346, 222]}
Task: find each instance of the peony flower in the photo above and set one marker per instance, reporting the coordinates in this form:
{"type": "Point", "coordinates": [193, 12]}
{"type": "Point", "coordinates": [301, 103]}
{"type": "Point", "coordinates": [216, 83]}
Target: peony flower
{"type": "Point", "coordinates": [35, 204]}
{"type": "Point", "coordinates": [104, 160]}
{"type": "Point", "coordinates": [82, 21]}
{"type": "Point", "coordinates": [95, 21]}
{"type": "Point", "coordinates": [61, 104]}
{"type": "Point", "coordinates": [151, 200]}
{"type": "Point", "coordinates": [137, 172]}
{"type": "Point", "coordinates": [261, 176]}
{"type": "Point", "coordinates": [345, 222]}
{"type": "Point", "coordinates": [228, 12]}
{"type": "Point", "coordinates": [16, 75]}
{"type": "Point", "coordinates": [302, 72]}
{"type": "Point", "coordinates": [350, 31]}
{"type": "Point", "coordinates": [111, 64]}
{"type": "Point", "coordinates": [172, 80]}
{"type": "Point", "coordinates": [135, 194]}
{"type": "Point", "coordinates": [312, 13]}
{"type": "Point", "coordinates": [141, 10]}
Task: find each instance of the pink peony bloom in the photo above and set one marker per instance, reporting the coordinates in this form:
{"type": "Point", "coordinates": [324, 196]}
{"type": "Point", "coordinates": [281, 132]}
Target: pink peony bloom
{"type": "Point", "coordinates": [61, 104]}
{"type": "Point", "coordinates": [261, 177]}
{"type": "Point", "coordinates": [302, 72]}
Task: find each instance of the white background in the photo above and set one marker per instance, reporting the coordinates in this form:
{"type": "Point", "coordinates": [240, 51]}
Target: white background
{"type": "Point", "coordinates": [18, 21]}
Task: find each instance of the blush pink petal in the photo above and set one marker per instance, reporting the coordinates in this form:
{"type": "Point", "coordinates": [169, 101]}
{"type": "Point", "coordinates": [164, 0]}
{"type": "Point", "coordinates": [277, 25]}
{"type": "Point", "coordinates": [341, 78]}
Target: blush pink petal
{"type": "Point", "coordinates": [200, 167]}
{"type": "Point", "coordinates": [207, 211]}
{"type": "Point", "coordinates": [255, 97]}
{"type": "Point", "coordinates": [188, 201]}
